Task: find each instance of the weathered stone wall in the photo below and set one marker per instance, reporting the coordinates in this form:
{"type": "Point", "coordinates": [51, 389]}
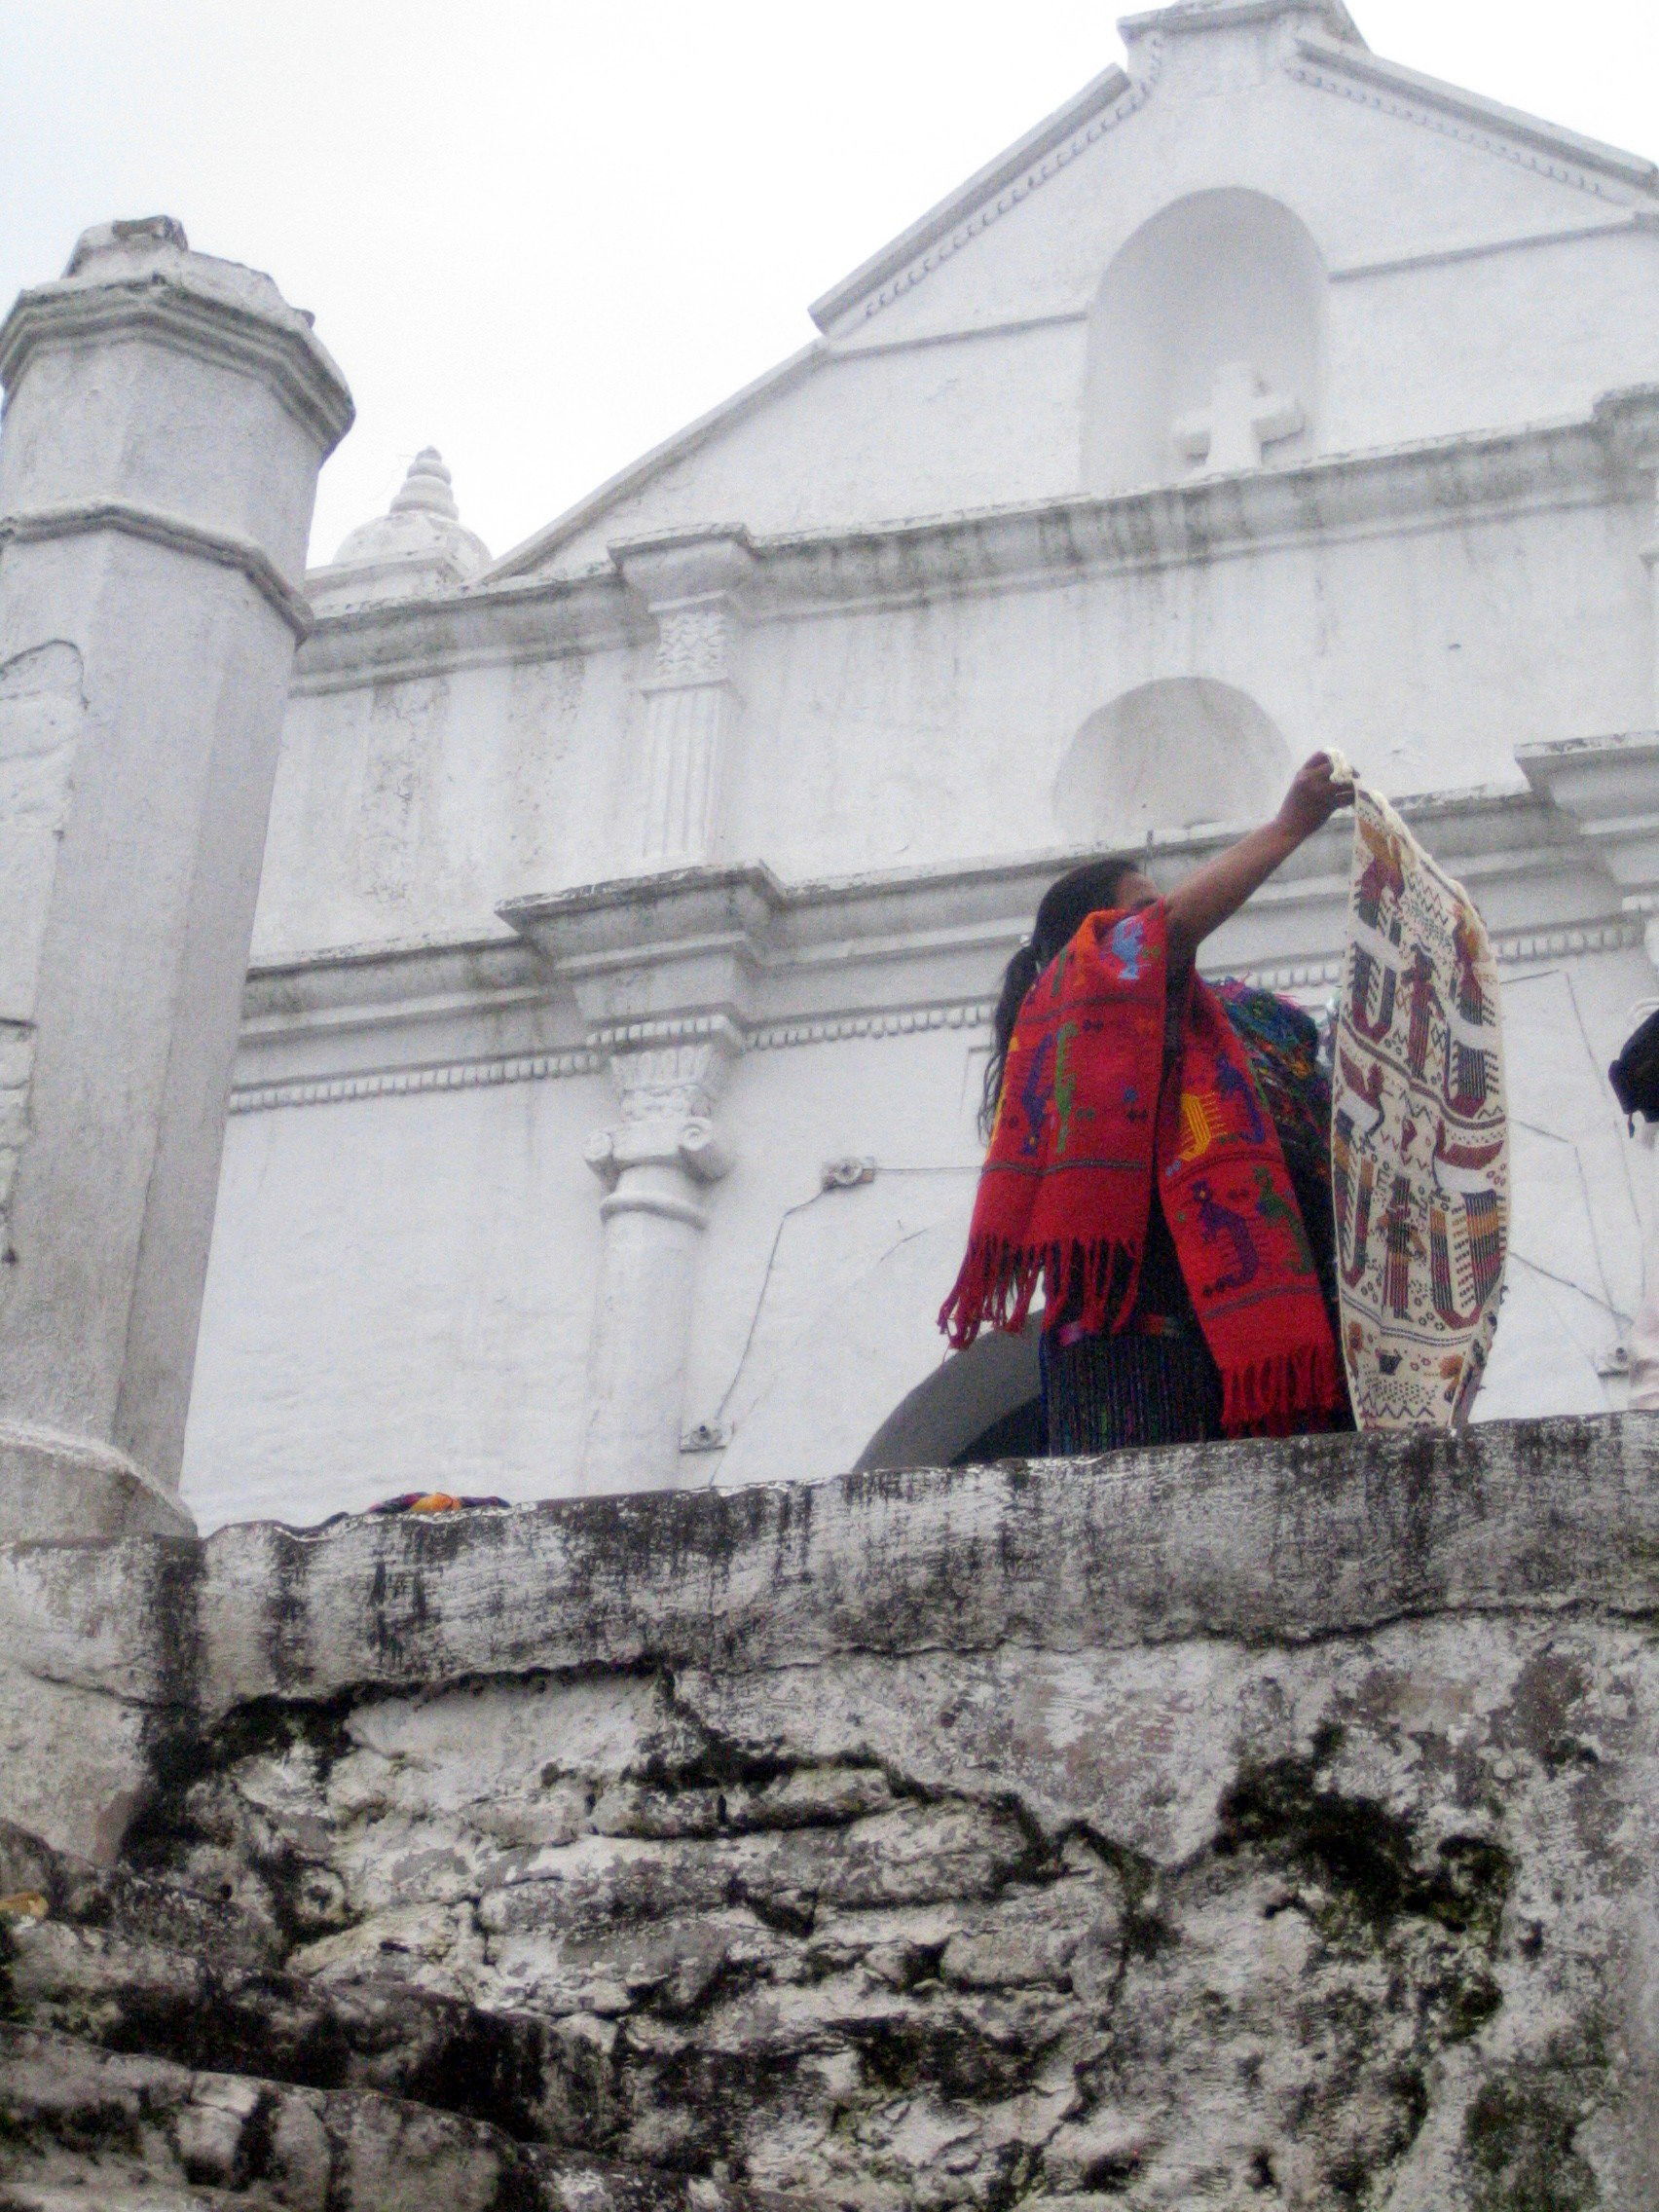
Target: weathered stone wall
{"type": "Point", "coordinates": [1266, 1825]}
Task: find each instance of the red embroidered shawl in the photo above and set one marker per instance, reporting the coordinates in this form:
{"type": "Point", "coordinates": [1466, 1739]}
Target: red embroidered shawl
{"type": "Point", "coordinates": [1088, 1129]}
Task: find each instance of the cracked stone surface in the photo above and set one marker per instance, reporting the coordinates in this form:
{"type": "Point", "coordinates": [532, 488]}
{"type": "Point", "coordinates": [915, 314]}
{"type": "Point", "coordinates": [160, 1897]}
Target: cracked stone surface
{"type": "Point", "coordinates": [972, 1872]}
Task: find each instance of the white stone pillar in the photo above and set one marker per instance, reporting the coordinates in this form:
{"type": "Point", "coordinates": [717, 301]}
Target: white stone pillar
{"type": "Point", "coordinates": [692, 584]}
{"type": "Point", "coordinates": [655, 1163]}
{"type": "Point", "coordinates": [167, 415]}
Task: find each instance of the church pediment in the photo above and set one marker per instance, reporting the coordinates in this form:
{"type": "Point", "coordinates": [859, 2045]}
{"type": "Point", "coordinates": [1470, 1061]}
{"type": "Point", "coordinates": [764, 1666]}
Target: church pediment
{"type": "Point", "coordinates": [1314, 43]}
{"type": "Point", "coordinates": [1215, 226]}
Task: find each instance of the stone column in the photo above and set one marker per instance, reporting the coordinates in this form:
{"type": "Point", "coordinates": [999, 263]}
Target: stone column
{"type": "Point", "coordinates": [167, 415]}
{"type": "Point", "coordinates": [691, 582]}
{"type": "Point", "coordinates": [655, 1163]}
{"type": "Point", "coordinates": [665, 970]}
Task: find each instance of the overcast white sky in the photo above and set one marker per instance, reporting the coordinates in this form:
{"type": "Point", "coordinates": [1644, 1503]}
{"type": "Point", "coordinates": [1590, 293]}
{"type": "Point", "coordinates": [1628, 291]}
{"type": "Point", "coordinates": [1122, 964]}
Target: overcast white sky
{"type": "Point", "coordinates": [543, 234]}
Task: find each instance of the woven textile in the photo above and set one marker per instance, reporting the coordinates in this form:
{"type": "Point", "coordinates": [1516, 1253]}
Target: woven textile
{"type": "Point", "coordinates": [1115, 1393]}
{"type": "Point", "coordinates": [1088, 1129]}
{"type": "Point", "coordinates": [1419, 1135]}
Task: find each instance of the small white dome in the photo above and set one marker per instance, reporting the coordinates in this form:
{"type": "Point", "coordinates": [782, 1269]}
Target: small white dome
{"type": "Point", "coordinates": [419, 549]}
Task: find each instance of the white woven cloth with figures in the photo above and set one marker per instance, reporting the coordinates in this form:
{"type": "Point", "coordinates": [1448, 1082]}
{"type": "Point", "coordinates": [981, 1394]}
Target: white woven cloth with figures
{"type": "Point", "coordinates": [1420, 1135]}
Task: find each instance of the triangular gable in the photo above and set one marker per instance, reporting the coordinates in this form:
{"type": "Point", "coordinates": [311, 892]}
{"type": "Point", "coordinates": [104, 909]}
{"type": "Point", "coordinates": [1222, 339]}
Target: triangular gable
{"type": "Point", "coordinates": [1057, 141]}
{"type": "Point", "coordinates": [1339, 62]}
{"type": "Point", "coordinates": [1323, 50]}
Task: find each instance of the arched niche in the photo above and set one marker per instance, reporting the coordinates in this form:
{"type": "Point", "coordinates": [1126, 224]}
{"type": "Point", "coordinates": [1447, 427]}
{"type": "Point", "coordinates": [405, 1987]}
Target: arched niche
{"type": "Point", "coordinates": [1169, 755]}
{"type": "Point", "coordinates": [979, 1404]}
{"type": "Point", "coordinates": [1206, 345]}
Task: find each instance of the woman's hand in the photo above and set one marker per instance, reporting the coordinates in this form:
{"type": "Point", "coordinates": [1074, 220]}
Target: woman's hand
{"type": "Point", "coordinates": [1217, 890]}
{"type": "Point", "coordinates": [1313, 798]}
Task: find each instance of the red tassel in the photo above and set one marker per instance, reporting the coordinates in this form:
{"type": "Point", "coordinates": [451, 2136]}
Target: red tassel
{"type": "Point", "coordinates": [1273, 1397]}
{"type": "Point", "coordinates": [1092, 1285]}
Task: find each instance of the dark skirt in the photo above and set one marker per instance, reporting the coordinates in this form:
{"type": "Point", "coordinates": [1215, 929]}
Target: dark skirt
{"type": "Point", "coordinates": [1107, 1393]}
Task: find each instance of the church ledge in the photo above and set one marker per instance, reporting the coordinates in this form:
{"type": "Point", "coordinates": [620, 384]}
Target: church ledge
{"type": "Point", "coordinates": [1024, 544]}
{"type": "Point", "coordinates": [883, 946]}
{"type": "Point", "coordinates": [1261, 1543]}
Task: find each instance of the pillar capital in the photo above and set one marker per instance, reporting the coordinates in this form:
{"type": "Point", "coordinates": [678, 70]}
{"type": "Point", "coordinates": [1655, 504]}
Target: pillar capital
{"type": "Point", "coordinates": [681, 567]}
{"type": "Point", "coordinates": [664, 970]}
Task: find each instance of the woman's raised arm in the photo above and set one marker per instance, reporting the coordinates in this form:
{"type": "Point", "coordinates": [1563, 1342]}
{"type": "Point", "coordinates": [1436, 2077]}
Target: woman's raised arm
{"type": "Point", "coordinates": [1213, 893]}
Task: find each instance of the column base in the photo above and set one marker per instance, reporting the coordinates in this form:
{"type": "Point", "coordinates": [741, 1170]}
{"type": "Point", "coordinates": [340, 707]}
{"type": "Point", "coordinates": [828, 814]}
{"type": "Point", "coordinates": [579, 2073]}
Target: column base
{"type": "Point", "coordinates": [55, 1486]}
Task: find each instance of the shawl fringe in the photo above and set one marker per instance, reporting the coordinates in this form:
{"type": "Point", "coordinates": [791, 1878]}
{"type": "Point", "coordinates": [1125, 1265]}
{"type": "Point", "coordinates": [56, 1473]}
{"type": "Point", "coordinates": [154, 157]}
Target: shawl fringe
{"type": "Point", "coordinates": [1273, 1397]}
{"type": "Point", "coordinates": [1094, 1284]}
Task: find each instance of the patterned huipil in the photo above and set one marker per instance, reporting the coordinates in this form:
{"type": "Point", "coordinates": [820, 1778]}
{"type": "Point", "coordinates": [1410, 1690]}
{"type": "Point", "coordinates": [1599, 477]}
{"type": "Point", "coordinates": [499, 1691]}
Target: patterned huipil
{"type": "Point", "coordinates": [1154, 1381]}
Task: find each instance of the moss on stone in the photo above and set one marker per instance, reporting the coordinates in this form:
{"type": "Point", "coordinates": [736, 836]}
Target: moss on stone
{"type": "Point", "coordinates": [1364, 1855]}
{"type": "Point", "coordinates": [1520, 2136]}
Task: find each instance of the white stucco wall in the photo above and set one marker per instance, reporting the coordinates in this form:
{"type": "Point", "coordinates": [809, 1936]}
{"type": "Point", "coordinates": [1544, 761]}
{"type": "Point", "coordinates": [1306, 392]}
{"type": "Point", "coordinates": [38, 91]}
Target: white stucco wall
{"type": "Point", "coordinates": [402, 1286]}
{"type": "Point", "coordinates": [399, 1299]}
{"type": "Point", "coordinates": [1445, 568]}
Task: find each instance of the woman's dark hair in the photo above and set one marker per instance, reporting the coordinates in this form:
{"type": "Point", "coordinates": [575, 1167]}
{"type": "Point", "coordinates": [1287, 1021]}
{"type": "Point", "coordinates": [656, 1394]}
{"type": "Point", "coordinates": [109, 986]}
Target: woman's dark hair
{"type": "Point", "coordinates": [1066, 906]}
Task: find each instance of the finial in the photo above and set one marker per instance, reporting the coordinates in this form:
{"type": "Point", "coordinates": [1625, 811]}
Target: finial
{"type": "Point", "coordinates": [426, 490]}
{"type": "Point", "coordinates": [419, 547]}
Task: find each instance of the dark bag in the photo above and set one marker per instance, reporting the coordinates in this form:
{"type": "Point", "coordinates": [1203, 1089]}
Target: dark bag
{"type": "Point", "coordinates": [1635, 1074]}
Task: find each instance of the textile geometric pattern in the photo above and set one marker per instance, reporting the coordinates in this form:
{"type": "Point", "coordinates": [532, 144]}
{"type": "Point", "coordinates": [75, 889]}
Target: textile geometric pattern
{"type": "Point", "coordinates": [1420, 1135]}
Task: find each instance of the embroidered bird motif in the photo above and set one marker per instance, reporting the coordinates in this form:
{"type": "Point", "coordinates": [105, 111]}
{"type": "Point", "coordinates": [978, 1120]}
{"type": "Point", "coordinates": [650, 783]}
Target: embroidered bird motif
{"type": "Point", "coordinates": [1219, 1222]}
{"type": "Point", "coordinates": [1229, 1083]}
{"type": "Point", "coordinates": [1461, 1160]}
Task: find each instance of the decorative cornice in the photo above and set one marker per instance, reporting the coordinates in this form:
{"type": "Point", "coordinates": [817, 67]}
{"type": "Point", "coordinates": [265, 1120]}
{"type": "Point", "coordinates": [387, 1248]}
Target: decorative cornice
{"type": "Point", "coordinates": [623, 1037]}
{"type": "Point", "coordinates": [188, 307]}
{"type": "Point", "coordinates": [996, 191]}
{"type": "Point", "coordinates": [76, 517]}
{"type": "Point", "coordinates": [1310, 972]}
{"type": "Point", "coordinates": [1428, 483]}
{"type": "Point", "coordinates": [1352, 73]}
{"type": "Point", "coordinates": [401, 1083]}
{"type": "Point", "coordinates": [1615, 935]}
{"type": "Point", "coordinates": [885, 1022]}
{"type": "Point", "coordinates": [480, 626]}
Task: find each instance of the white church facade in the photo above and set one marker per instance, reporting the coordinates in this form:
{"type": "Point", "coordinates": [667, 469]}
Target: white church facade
{"type": "Point", "coordinates": [632, 904]}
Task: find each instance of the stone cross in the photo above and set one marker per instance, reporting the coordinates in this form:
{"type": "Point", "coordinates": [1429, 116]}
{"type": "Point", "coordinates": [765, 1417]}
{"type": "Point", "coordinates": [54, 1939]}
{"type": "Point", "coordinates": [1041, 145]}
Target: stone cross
{"type": "Point", "coordinates": [165, 417]}
{"type": "Point", "coordinates": [1242, 418]}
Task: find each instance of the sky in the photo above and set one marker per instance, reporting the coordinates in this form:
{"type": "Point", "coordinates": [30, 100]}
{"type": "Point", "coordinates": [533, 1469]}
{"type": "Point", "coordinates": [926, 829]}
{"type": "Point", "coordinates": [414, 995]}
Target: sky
{"type": "Point", "coordinates": [542, 235]}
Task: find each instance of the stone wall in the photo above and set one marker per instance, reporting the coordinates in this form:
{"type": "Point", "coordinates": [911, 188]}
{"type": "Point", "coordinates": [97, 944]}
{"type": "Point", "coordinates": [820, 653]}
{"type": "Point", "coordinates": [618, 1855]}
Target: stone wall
{"type": "Point", "coordinates": [1271, 1824]}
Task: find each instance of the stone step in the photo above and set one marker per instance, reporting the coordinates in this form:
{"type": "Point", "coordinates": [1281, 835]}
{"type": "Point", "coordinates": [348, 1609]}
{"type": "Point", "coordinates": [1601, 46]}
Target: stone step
{"type": "Point", "coordinates": [87, 2128]}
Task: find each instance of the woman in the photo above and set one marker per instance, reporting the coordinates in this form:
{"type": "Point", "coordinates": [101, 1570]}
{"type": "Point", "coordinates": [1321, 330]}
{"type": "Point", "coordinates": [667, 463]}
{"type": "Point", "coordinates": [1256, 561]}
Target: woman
{"type": "Point", "coordinates": [1158, 1165]}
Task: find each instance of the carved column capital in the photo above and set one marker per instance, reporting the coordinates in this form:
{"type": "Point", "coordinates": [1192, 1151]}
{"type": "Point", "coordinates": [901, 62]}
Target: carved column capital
{"type": "Point", "coordinates": [686, 568]}
{"type": "Point", "coordinates": [665, 1144]}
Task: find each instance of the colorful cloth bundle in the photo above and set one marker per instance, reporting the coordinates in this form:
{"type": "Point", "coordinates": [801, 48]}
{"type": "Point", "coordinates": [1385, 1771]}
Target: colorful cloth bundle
{"type": "Point", "coordinates": [1420, 1135]}
{"type": "Point", "coordinates": [1087, 1131]}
